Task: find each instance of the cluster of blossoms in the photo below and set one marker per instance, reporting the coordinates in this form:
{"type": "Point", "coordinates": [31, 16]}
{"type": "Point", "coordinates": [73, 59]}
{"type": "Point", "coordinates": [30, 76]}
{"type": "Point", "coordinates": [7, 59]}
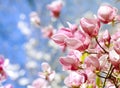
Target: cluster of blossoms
{"type": "Point", "coordinates": [45, 77]}
{"type": "Point", "coordinates": [93, 60]}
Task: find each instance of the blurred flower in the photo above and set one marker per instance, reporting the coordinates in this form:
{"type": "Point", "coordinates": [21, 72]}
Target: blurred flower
{"type": "Point", "coordinates": [55, 8]}
{"type": "Point", "coordinates": [34, 18]}
{"type": "Point", "coordinates": [23, 81]}
{"type": "Point", "coordinates": [8, 86]}
{"type": "Point", "coordinates": [23, 26]}
{"type": "Point", "coordinates": [47, 73]}
{"type": "Point", "coordinates": [3, 66]}
{"type": "Point", "coordinates": [48, 31]}
{"type": "Point", "coordinates": [39, 83]}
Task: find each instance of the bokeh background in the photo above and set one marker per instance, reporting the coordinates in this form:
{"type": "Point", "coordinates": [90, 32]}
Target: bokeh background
{"type": "Point", "coordinates": [23, 43]}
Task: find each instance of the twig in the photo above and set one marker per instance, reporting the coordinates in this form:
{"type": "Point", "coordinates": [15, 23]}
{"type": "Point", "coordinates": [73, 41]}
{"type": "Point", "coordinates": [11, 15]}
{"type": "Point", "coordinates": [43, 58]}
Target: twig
{"type": "Point", "coordinates": [108, 74]}
{"type": "Point", "coordinates": [100, 45]}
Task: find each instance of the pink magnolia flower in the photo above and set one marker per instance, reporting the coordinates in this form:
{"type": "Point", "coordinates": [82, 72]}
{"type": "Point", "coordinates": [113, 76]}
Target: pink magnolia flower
{"type": "Point", "coordinates": [90, 26]}
{"type": "Point", "coordinates": [60, 36]}
{"type": "Point", "coordinates": [63, 34]}
{"type": "Point", "coordinates": [47, 73]}
{"type": "Point", "coordinates": [71, 61]}
{"type": "Point", "coordinates": [80, 41]}
{"type": "Point", "coordinates": [107, 13]}
{"type": "Point", "coordinates": [74, 80]}
{"type": "Point", "coordinates": [55, 8]}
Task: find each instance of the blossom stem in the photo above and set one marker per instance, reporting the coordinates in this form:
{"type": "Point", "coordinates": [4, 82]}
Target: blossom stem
{"type": "Point", "coordinates": [101, 76]}
{"type": "Point", "coordinates": [113, 80]}
{"type": "Point", "coordinates": [104, 72]}
{"type": "Point", "coordinates": [108, 75]}
{"type": "Point", "coordinates": [105, 51]}
{"type": "Point", "coordinates": [90, 52]}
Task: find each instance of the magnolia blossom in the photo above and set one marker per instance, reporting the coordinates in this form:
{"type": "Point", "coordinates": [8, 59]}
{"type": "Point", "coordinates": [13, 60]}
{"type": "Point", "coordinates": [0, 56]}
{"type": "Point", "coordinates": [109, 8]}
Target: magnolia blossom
{"type": "Point", "coordinates": [90, 26]}
{"type": "Point", "coordinates": [107, 13]}
{"type": "Point", "coordinates": [74, 80]}
{"type": "Point", "coordinates": [71, 61]}
{"type": "Point", "coordinates": [60, 37]}
{"type": "Point", "coordinates": [80, 41]}
{"type": "Point", "coordinates": [72, 37]}
{"type": "Point", "coordinates": [55, 8]}
{"type": "Point", "coordinates": [63, 34]}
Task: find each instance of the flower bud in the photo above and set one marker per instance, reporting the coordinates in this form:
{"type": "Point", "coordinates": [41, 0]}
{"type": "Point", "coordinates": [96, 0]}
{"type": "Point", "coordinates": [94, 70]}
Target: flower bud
{"type": "Point", "coordinates": [106, 13]}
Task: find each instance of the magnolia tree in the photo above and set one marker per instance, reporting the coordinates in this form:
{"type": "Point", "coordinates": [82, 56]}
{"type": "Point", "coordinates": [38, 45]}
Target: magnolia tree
{"type": "Point", "coordinates": [93, 54]}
